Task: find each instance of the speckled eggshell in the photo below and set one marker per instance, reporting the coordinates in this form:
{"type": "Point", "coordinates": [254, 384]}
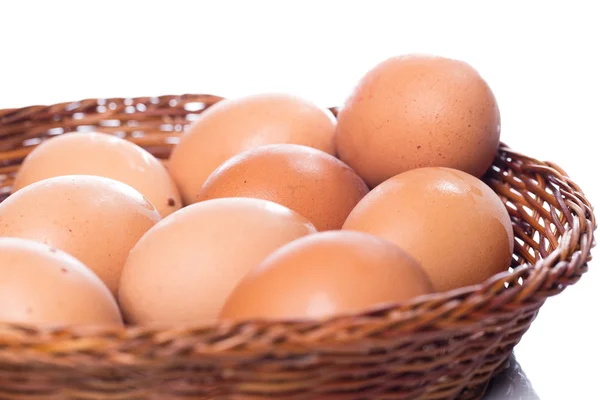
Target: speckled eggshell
{"type": "Point", "coordinates": [326, 274]}
{"type": "Point", "coordinates": [309, 181]}
{"type": "Point", "coordinates": [41, 285]}
{"type": "Point", "coordinates": [418, 111]}
{"type": "Point", "coordinates": [183, 269]}
{"type": "Point", "coordinates": [97, 220]}
{"type": "Point", "coordinates": [104, 155]}
{"type": "Point", "coordinates": [232, 126]}
{"type": "Point", "coordinates": [448, 220]}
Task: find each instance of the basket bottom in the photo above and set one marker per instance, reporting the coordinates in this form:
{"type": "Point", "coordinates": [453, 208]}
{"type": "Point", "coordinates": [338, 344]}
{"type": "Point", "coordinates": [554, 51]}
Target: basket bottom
{"type": "Point", "coordinates": [21, 384]}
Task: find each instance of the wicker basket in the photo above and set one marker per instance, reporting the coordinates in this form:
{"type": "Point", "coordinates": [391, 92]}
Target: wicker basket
{"type": "Point", "coordinates": [441, 346]}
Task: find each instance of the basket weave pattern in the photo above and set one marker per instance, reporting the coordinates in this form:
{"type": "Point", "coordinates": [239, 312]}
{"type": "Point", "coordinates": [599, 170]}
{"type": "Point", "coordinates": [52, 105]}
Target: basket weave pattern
{"type": "Point", "coordinates": [440, 346]}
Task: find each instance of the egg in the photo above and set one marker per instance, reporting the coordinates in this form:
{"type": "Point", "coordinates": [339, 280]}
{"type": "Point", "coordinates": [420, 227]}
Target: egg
{"type": "Point", "coordinates": [42, 285]}
{"type": "Point", "coordinates": [183, 269]}
{"type": "Point", "coordinates": [104, 155]}
{"type": "Point", "coordinates": [452, 223]}
{"type": "Point", "coordinates": [97, 220]}
{"type": "Point", "coordinates": [418, 111]}
{"type": "Point", "coordinates": [232, 126]}
{"type": "Point", "coordinates": [309, 181]}
{"type": "Point", "coordinates": [327, 274]}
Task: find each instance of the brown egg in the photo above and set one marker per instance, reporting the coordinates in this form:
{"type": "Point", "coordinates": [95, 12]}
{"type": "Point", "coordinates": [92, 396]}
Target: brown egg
{"type": "Point", "coordinates": [101, 155]}
{"type": "Point", "coordinates": [183, 269]}
{"type": "Point", "coordinates": [418, 111]}
{"type": "Point", "coordinates": [308, 181]}
{"type": "Point", "coordinates": [42, 285]}
{"type": "Point", "coordinates": [97, 220]}
{"type": "Point", "coordinates": [325, 274]}
{"type": "Point", "coordinates": [448, 220]}
{"type": "Point", "coordinates": [232, 126]}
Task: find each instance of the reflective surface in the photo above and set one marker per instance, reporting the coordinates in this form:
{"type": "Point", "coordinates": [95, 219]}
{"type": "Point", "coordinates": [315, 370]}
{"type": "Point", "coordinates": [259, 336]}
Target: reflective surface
{"type": "Point", "coordinates": [511, 383]}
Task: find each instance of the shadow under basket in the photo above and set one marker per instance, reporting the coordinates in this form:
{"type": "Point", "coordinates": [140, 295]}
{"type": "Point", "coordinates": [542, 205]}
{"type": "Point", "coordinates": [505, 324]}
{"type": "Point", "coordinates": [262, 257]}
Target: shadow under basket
{"type": "Point", "coordinates": [440, 346]}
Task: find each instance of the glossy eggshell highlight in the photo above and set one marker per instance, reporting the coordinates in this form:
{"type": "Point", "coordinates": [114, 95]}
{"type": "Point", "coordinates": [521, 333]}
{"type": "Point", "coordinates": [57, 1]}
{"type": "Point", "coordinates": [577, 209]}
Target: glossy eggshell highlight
{"type": "Point", "coordinates": [104, 155]}
{"type": "Point", "coordinates": [232, 126]}
{"type": "Point", "coordinates": [326, 274]}
{"type": "Point", "coordinates": [418, 111]}
{"type": "Point", "coordinates": [448, 220]}
{"type": "Point", "coordinates": [184, 268]}
{"type": "Point", "coordinates": [42, 285]}
{"type": "Point", "coordinates": [308, 181]}
{"type": "Point", "coordinates": [97, 220]}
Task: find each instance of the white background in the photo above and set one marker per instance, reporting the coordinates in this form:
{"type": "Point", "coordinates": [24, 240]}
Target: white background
{"type": "Point", "coordinates": [540, 58]}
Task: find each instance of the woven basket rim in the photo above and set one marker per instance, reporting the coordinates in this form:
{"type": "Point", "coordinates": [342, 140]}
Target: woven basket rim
{"type": "Point", "coordinates": [534, 275]}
